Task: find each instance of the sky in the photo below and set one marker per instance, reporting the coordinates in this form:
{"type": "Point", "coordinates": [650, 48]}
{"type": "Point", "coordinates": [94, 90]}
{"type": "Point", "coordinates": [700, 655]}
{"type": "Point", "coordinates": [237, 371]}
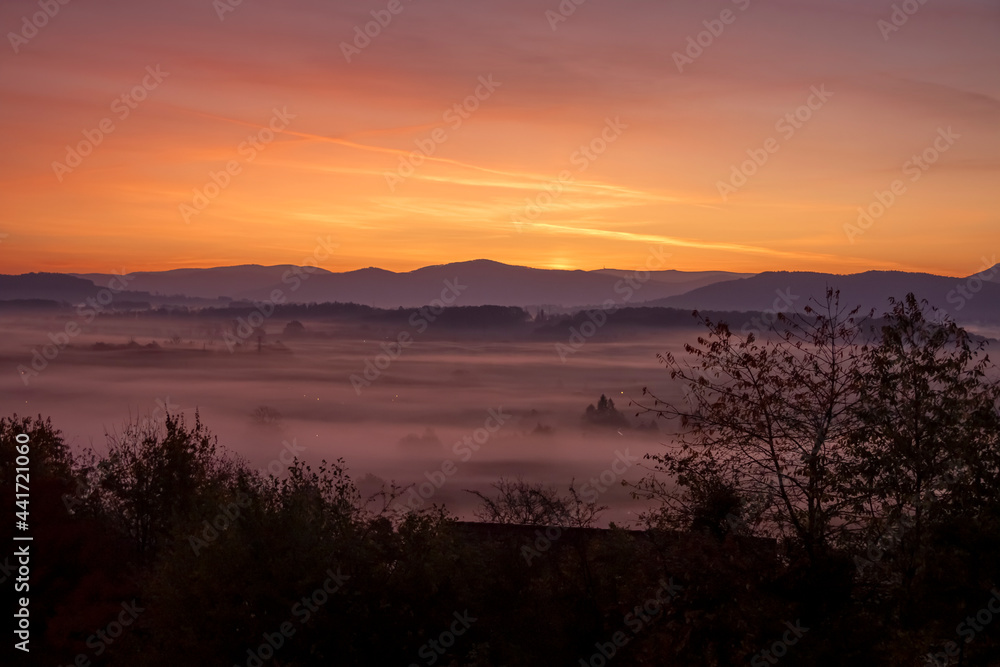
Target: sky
{"type": "Point", "coordinates": [742, 136]}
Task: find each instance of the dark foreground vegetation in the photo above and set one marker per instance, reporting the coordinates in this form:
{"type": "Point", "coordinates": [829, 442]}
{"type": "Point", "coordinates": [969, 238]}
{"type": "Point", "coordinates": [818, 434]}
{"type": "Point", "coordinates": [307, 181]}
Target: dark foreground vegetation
{"type": "Point", "coordinates": [835, 501]}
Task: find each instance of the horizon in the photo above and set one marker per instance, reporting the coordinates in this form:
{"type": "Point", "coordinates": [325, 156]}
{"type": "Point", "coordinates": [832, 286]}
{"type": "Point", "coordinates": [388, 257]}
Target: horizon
{"type": "Point", "coordinates": [983, 266]}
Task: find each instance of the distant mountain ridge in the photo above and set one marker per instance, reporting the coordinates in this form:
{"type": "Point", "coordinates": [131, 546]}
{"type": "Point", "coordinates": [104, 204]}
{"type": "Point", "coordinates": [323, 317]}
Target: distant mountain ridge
{"type": "Point", "coordinates": [45, 286]}
{"type": "Point", "coordinates": [975, 298]}
{"type": "Point", "coordinates": [477, 282]}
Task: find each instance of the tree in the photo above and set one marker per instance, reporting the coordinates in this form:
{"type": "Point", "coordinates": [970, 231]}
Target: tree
{"type": "Point", "coordinates": [927, 449]}
{"type": "Point", "coordinates": [605, 414]}
{"type": "Point", "coordinates": [293, 328]}
{"type": "Point", "coordinates": [77, 565]}
{"type": "Point", "coordinates": [154, 476]}
{"type": "Point", "coordinates": [770, 418]}
{"type": "Point", "coordinates": [522, 503]}
{"type": "Point", "coordinates": [48, 454]}
{"type": "Point", "coordinates": [265, 415]}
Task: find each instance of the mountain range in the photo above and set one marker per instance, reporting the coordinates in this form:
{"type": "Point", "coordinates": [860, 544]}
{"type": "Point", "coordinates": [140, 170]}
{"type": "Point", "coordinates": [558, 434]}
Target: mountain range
{"type": "Point", "coordinates": [973, 299]}
{"type": "Point", "coordinates": [477, 282]}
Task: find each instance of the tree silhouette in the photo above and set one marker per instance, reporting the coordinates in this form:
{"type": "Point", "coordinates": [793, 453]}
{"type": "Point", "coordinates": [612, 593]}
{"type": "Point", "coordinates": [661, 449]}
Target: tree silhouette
{"type": "Point", "coordinates": [605, 414]}
{"type": "Point", "coordinates": [153, 477]}
{"type": "Point", "coordinates": [522, 503]}
{"type": "Point", "coordinates": [927, 453]}
{"type": "Point", "coordinates": [293, 328]}
{"type": "Point", "coordinates": [770, 416]}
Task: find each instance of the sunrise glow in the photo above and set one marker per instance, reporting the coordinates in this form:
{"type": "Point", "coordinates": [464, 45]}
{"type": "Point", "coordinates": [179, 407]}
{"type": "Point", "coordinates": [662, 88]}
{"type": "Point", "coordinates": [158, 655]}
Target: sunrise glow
{"type": "Point", "coordinates": [568, 144]}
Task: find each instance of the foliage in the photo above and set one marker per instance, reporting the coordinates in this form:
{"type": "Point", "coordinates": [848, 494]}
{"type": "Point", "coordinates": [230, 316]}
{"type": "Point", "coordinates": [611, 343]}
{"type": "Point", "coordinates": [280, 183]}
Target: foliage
{"type": "Point", "coordinates": [769, 417]}
{"type": "Point", "coordinates": [153, 476]}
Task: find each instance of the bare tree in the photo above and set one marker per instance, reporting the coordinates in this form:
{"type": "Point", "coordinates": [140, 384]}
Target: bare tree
{"type": "Point", "coordinates": [520, 502]}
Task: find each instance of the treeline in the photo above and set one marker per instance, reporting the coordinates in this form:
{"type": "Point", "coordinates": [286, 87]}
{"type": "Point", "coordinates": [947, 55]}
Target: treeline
{"type": "Point", "coordinates": [454, 316]}
{"type": "Point", "coordinates": [545, 325]}
{"type": "Point", "coordinates": [168, 551]}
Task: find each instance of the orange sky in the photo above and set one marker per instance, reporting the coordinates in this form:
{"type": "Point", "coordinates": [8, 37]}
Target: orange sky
{"type": "Point", "coordinates": [679, 133]}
